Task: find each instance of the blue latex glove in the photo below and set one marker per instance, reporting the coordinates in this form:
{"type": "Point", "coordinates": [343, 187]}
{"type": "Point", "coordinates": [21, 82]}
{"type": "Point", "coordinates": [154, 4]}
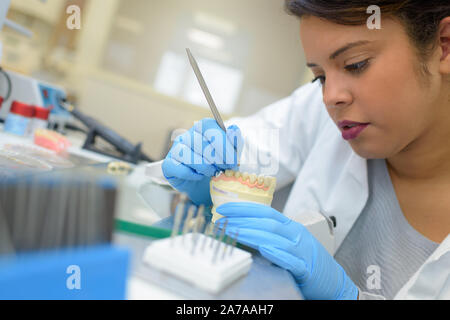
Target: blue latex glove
{"type": "Point", "coordinates": [198, 155]}
{"type": "Point", "coordinates": [291, 246]}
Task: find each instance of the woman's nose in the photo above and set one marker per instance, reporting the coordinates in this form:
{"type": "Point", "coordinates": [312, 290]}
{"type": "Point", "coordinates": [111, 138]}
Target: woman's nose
{"type": "Point", "coordinates": [335, 94]}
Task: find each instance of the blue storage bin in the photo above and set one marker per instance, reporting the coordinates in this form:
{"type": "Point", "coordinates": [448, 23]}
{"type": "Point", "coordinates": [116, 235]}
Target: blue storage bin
{"type": "Point", "coordinates": [90, 273]}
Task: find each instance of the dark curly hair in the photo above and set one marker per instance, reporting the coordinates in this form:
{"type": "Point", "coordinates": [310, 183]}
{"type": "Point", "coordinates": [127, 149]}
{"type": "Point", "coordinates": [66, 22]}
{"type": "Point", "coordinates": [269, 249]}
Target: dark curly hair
{"type": "Point", "coordinates": [420, 18]}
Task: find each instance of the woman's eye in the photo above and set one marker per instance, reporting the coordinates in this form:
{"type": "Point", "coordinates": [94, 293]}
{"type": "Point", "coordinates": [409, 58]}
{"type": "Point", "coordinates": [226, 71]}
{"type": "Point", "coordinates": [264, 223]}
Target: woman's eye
{"type": "Point", "coordinates": [321, 78]}
{"type": "Point", "coordinates": [357, 67]}
{"type": "Point", "coordinates": [354, 68]}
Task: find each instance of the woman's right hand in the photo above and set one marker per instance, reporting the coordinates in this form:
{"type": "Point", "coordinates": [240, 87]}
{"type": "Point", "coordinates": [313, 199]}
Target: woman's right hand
{"type": "Point", "coordinates": [198, 155]}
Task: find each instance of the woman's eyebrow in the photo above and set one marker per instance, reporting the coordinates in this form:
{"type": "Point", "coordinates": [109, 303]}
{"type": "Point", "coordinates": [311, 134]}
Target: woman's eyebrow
{"type": "Point", "coordinates": [341, 50]}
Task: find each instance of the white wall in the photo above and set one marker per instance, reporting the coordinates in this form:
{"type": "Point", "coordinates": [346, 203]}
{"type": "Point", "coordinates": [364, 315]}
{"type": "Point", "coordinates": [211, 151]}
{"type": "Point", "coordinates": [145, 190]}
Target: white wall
{"type": "Point", "coordinates": [266, 49]}
{"type": "Point", "coordinates": [48, 11]}
{"type": "Point", "coordinates": [136, 111]}
{"type": "Point", "coordinates": [274, 68]}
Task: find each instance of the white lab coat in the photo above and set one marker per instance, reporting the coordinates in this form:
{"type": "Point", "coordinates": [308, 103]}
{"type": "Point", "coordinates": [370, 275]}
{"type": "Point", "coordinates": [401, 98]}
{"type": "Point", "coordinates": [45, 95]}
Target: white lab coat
{"type": "Point", "coordinates": [329, 177]}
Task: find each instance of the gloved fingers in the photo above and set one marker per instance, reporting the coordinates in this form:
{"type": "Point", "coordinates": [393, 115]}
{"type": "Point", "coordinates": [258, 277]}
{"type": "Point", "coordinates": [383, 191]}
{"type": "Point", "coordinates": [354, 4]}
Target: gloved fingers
{"type": "Point", "coordinates": [209, 154]}
{"type": "Point", "coordinates": [205, 125]}
{"type": "Point", "coordinates": [219, 153]}
{"type": "Point", "coordinates": [219, 143]}
{"type": "Point", "coordinates": [203, 151]}
{"type": "Point", "coordinates": [196, 143]}
{"type": "Point", "coordinates": [198, 191]}
{"type": "Point", "coordinates": [174, 169]}
{"type": "Point", "coordinates": [290, 230]}
{"type": "Point", "coordinates": [234, 136]}
{"type": "Point", "coordinates": [185, 155]}
{"type": "Point", "coordinates": [285, 260]}
{"type": "Point", "coordinates": [250, 210]}
{"type": "Point", "coordinates": [255, 238]}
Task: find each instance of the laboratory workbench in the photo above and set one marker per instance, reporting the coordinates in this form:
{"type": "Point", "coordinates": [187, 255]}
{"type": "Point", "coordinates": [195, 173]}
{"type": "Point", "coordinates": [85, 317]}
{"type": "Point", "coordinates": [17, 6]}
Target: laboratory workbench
{"type": "Point", "coordinates": [143, 205]}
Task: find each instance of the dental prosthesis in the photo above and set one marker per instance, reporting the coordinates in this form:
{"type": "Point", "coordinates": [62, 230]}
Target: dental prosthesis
{"type": "Point", "coordinates": [235, 186]}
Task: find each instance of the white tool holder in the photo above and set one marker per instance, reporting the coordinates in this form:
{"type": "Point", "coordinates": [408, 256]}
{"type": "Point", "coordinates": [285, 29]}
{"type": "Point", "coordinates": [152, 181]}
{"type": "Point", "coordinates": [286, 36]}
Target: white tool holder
{"type": "Point", "coordinates": [201, 260]}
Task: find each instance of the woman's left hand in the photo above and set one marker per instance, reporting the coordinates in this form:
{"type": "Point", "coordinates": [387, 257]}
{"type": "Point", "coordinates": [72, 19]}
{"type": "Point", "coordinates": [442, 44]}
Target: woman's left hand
{"type": "Point", "coordinates": [291, 246]}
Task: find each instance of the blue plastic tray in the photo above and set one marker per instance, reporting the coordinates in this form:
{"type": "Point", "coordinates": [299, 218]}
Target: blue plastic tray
{"type": "Point", "coordinates": [91, 273]}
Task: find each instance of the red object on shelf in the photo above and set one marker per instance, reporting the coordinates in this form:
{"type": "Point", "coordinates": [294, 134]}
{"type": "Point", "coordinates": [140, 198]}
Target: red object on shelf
{"type": "Point", "coordinates": [22, 109]}
{"type": "Point", "coordinates": [1, 102]}
{"type": "Point", "coordinates": [41, 113]}
{"type": "Point", "coordinates": [51, 140]}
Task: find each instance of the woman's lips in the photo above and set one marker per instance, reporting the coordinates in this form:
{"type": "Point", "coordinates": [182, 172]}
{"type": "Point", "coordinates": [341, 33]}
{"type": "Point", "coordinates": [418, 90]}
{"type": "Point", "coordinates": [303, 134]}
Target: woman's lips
{"type": "Point", "coordinates": [352, 130]}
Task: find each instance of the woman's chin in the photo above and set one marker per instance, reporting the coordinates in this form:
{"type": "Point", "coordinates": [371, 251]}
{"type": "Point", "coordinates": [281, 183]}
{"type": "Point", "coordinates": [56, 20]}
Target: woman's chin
{"type": "Point", "coordinates": [371, 151]}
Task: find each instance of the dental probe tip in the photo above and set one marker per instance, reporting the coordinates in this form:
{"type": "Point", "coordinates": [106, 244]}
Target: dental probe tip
{"type": "Point", "coordinates": [234, 242]}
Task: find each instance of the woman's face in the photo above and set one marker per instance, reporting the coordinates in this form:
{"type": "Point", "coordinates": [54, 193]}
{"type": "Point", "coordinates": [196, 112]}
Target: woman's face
{"type": "Point", "coordinates": [377, 80]}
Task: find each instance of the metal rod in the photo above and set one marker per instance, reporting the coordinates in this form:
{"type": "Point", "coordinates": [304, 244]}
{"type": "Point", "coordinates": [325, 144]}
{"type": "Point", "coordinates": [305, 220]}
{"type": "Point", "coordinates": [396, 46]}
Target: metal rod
{"type": "Point", "coordinates": [230, 240]}
{"type": "Point", "coordinates": [207, 233]}
{"type": "Point", "coordinates": [216, 227]}
{"type": "Point", "coordinates": [200, 224]}
{"type": "Point", "coordinates": [205, 90]}
{"type": "Point", "coordinates": [219, 242]}
{"type": "Point", "coordinates": [177, 221]}
{"type": "Point", "coordinates": [188, 221]}
{"type": "Point", "coordinates": [234, 242]}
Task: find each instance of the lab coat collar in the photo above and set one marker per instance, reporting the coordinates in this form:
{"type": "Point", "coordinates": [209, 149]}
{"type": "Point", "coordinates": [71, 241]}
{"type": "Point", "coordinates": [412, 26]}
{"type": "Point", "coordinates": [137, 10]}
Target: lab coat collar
{"type": "Point", "coordinates": [431, 280]}
{"type": "Point", "coordinates": [351, 202]}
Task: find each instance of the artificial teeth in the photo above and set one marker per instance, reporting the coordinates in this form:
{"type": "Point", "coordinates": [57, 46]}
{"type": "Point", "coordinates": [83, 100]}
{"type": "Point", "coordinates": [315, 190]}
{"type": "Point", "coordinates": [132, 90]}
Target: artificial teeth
{"type": "Point", "coordinates": [229, 173]}
{"type": "Point", "coordinates": [242, 186]}
{"type": "Point", "coordinates": [260, 180]}
{"type": "Point", "coordinates": [267, 181]}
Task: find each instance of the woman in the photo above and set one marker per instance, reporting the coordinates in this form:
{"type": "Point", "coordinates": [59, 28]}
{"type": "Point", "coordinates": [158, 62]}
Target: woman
{"type": "Point", "coordinates": [366, 142]}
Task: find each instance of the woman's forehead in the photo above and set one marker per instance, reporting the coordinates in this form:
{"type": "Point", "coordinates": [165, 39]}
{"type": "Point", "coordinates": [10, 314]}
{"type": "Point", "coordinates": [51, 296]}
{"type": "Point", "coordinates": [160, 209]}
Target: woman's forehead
{"type": "Point", "coordinates": [322, 37]}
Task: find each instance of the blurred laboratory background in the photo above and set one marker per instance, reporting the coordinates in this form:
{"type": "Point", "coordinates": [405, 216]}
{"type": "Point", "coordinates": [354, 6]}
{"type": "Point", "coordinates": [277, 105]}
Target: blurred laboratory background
{"type": "Point", "coordinates": [127, 64]}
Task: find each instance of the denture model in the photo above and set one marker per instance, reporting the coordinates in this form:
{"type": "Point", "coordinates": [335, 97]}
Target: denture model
{"type": "Point", "coordinates": [235, 186]}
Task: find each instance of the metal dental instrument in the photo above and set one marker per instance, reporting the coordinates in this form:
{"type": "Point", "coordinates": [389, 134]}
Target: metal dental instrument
{"type": "Point", "coordinates": [214, 234]}
{"type": "Point", "coordinates": [225, 251]}
{"type": "Point", "coordinates": [208, 231]}
{"type": "Point", "coordinates": [178, 216]}
{"type": "Point", "coordinates": [219, 242]}
{"type": "Point", "coordinates": [229, 244]}
{"type": "Point", "coordinates": [199, 222]}
{"type": "Point", "coordinates": [234, 242]}
{"type": "Point", "coordinates": [188, 221]}
{"type": "Point", "coordinates": [205, 90]}
{"type": "Point", "coordinates": [6, 245]}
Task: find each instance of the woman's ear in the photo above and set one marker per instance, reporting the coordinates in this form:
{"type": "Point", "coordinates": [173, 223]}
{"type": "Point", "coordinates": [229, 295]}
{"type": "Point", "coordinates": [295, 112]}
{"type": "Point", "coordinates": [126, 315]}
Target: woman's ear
{"type": "Point", "coordinates": [444, 41]}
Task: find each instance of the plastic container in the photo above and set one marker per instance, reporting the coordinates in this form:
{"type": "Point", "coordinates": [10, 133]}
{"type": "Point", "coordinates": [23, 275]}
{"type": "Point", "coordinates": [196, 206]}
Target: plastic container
{"type": "Point", "coordinates": [40, 120]}
{"type": "Point", "coordinates": [19, 119]}
{"type": "Point", "coordinates": [101, 273]}
{"type": "Point", "coordinates": [51, 140]}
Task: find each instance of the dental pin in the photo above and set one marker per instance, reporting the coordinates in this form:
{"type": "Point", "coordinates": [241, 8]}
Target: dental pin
{"type": "Point", "coordinates": [226, 247]}
{"type": "Point", "coordinates": [188, 221]}
{"type": "Point", "coordinates": [207, 233]}
{"type": "Point", "coordinates": [219, 243]}
{"type": "Point", "coordinates": [214, 234]}
{"type": "Point", "coordinates": [234, 242]}
{"type": "Point", "coordinates": [229, 244]}
{"type": "Point", "coordinates": [199, 222]}
{"type": "Point", "coordinates": [178, 216]}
